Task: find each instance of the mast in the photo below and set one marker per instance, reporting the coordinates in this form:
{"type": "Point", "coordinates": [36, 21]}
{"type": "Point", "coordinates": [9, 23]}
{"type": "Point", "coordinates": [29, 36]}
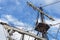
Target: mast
{"type": "Point", "coordinates": [41, 27]}
{"type": "Point", "coordinates": [44, 34]}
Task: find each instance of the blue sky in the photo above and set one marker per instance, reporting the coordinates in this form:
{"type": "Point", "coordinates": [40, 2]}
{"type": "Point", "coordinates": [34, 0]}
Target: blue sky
{"type": "Point", "coordinates": [18, 13]}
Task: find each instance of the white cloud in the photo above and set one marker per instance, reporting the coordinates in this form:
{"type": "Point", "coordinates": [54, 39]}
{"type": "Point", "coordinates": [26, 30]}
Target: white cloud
{"type": "Point", "coordinates": [52, 22]}
{"type": "Point", "coordinates": [53, 39]}
{"type": "Point", "coordinates": [0, 8]}
{"type": "Point", "coordinates": [16, 22]}
{"type": "Point", "coordinates": [16, 36]}
{"type": "Point", "coordinates": [3, 20]}
{"type": "Point", "coordinates": [17, 2]}
{"type": "Point", "coordinates": [13, 20]}
{"type": "Point", "coordinates": [0, 1]}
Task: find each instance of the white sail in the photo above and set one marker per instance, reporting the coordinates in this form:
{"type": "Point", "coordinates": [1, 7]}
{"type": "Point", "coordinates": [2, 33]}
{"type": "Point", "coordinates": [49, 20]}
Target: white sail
{"type": "Point", "coordinates": [3, 33]}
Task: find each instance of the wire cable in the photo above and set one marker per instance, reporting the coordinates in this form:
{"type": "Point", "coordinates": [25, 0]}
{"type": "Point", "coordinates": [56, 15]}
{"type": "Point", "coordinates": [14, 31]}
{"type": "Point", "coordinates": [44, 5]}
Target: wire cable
{"type": "Point", "coordinates": [51, 4]}
{"type": "Point", "coordinates": [54, 24]}
{"type": "Point", "coordinates": [36, 22]}
{"type": "Point", "coordinates": [37, 18]}
{"type": "Point", "coordinates": [57, 32]}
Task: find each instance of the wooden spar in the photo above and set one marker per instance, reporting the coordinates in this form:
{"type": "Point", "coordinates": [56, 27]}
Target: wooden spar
{"type": "Point", "coordinates": [23, 32]}
{"type": "Point", "coordinates": [36, 8]}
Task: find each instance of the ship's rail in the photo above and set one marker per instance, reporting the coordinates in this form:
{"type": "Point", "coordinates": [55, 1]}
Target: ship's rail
{"type": "Point", "coordinates": [13, 29]}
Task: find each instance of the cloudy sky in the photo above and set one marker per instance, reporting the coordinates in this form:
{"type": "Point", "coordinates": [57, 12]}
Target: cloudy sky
{"type": "Point", "coordinates": [17, 13]}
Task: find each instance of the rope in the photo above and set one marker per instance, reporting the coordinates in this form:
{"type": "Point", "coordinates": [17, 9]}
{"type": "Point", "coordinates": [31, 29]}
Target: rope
{"type": "Point", "coordinates": [36, 23]}
{"type": "Point", "coordinates": [37, 18]}
{"type": "Point", "coordinates": [57, 32]}
{"type": "Point", "coordinates": [51, 4]}
{"type": "Point", "coordinates": [54, 24]}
